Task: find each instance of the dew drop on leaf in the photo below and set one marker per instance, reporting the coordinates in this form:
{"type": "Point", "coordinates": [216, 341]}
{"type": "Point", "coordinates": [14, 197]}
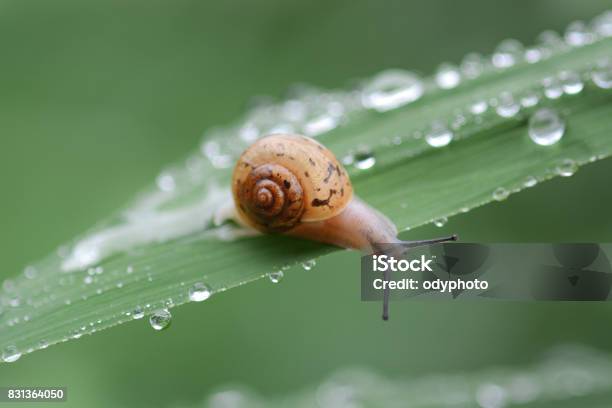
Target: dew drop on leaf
{"type": "Point", "coordinates": [577, 34]}
{"type": "Point", "coordinates": [500, 194]}
{"type": "Point", "coordinates": [552, 88]}
{"type": "Point", "coordinates": [491, 395]}
{"type": "Point", "coordinates": [30, 272]}
{"type": "Point", "coordinates": [10, 354]}
{"type": "Point", "coordinates": [276, 277]}
{"type": "Point", "coordinates": [507, 106]}
{"type": "Point", "coordinates": [570, 82]}
{"type": "Point", "coordinates": [602, 24]}
{"type": "Point", "coordinates": [530, 181]}
{"type": "Point", "coordinates": [166, 182]}
{"type": "Point", "coordinates": [391, 89]}
{"type": "Point", "coordinates": [137, 313]}
{"type": "Point", "coordinates": [546, 127]}
{"type": "Point", "coordinates": [199, 292]}
{"type": "Point", "coordinates": [160, 319]}
{"type": "Point", "coordinates": [507, 53]}
{"type": "Point", "coordinates": [308, 265]}
{"type": "Point", "coordinates": [472, 65]}
{"type": "Point", "coordinates": [364, 159]}
{"type": "Point", "coordinates": [551, 41]}
{"type": "Point", "coordinates": [448, 76]}
{"type": "Point", "coordinates": [440, 222]}
{"type": "Point", "coordinates": [439, 135]}
{"type": "Point", "coordinates": [567, 168]}
{"type": "Point", "coordinates": [478, 107]}
{"type": "Point", "coordinates": [529, 100]}
{"type": "Point", "coordinates": [533, 55]}
{"type": "Point", "coordinates": [602, 74]}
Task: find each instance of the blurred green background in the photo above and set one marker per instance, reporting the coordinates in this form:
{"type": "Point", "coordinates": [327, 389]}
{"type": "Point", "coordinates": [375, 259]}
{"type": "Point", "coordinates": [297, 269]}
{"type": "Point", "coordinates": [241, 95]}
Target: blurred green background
{"type": "Point", "coordinates": [95, 97]}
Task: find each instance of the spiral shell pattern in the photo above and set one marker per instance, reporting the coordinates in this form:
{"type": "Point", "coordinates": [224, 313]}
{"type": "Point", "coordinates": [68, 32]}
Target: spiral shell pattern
{"type": "Point", "coordinates": [272, 196]}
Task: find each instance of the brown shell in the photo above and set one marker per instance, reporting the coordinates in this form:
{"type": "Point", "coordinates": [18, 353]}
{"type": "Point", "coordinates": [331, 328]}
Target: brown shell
{"type": "Point", "coordinates": [282, 180]}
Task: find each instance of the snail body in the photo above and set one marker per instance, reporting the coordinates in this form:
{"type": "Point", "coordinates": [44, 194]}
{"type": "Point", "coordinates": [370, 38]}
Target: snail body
{"type": "Point", "coordinates": [293, 185]}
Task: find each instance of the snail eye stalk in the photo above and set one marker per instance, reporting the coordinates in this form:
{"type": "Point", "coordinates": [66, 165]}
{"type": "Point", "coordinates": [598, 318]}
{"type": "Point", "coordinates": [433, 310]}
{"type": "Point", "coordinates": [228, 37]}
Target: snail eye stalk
{"type": "Point", "coordinates": [405, 245]}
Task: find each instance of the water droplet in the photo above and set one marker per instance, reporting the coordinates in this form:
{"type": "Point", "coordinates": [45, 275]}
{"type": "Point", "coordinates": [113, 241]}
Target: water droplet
{"type": "Point", "coordinates": [440, 222]}
{"type": "Point", "coordinates": [438, 135]}
{"type": "Point", "coordinates": [88, 279]}
{"type": "Point", "coordinates": [479, 107]}
{"type": "Point", "coordinates": [308, 265]}
{"type": "Point", "coordinates": [491, 396]}
{"type": "Point", "coordinates": [276, 277]}
{"type": "Point", "coordinates": [129, 269]}
{"type": "Point", "coordinates": [458, 121]}
{"type": "Point", "coordinates": [14, 301]}
{"type": "Point", "coordinates": [294, 110]}
{"type": "Point", "coordinates": [137, 313]}
{"type": "Point", "coordinates": [507, 107]}
{"type": "Point", "coordinates": [199, 292]}
{"type": "Point", "coordinates": [529, 100]}
{"type": "Point", "coordinates": [546, 127]}
{"type": "Point", "coordinates": [43, 344]}
{"type": "Point", "coordinates": [602, 24]}
{"type": "Point", "coordinates": [364, 159]}
{"type": "Point", "coordinates": [570, 82]}
{"type": "Point", "coordinates": [166, 182]}
{"type": "Point", "coordinates": [322, 118]}
{"type": "Point", "coordinates": [160, 319]}
{"type": "Point", "coordinates": [500, 194]}
{"type": "Point", "coordinates": [508, 53]}
{"type": "Point", "coordinates": [577, 34]}
{"type": "Point", "coordinates": [472, 65]}
{"type": "Point", "coordinates": [530, 181]}
{"type": "Point", "coordinates": [8, 285]}
{"type": "Point", "coordinates": [212, 150]}
{"type": "Point", "coordinates": [391, 89]}
{"type": "Point", "coordinates": [567, 168]}
{"type": "Point", "coordinates": [552, 88]}
{"type": "Point", "coordinates": [551, 41]}
{"type": "Point", "coordinates": [602, 74]}
{"type": "Point", "coordinates": [348, 159]}
{"type": "Point", "coordinates": [10, 354]}
{"type": "Point", "coordinates": [533, 55]}
{"type": "Point", "coordinates": [30, 272]}
{"type": "Point", "coordinates": [448, 76]}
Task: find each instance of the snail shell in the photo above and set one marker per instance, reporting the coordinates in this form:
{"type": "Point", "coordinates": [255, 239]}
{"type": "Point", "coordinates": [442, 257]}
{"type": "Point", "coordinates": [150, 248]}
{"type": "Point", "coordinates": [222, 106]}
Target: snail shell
{"type": "Point", "coordinates": [283, 180]}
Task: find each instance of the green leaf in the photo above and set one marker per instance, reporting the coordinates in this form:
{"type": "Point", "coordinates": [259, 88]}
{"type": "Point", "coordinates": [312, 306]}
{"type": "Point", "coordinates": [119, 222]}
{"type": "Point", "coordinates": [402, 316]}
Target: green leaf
{"type": "Point", "coordinates": [150, 254]}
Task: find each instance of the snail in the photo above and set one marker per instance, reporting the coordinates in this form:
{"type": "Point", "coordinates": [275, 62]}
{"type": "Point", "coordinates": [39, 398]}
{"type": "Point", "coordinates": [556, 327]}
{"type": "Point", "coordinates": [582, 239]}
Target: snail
{"type": "Point", "coordinates": [293, 185]}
